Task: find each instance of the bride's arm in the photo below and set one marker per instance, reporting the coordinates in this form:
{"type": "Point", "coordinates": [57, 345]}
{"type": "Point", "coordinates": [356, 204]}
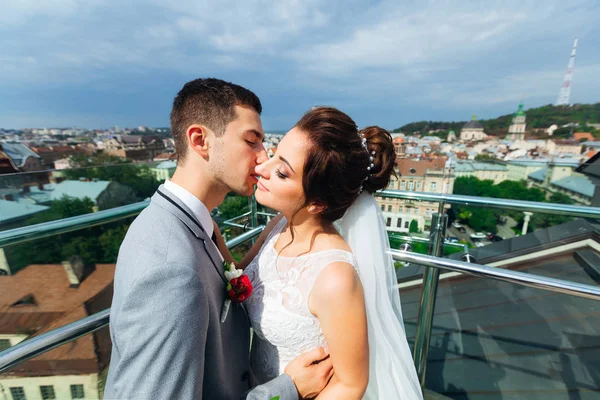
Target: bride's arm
{"type": "Point", "coordinates": [337, 300]}
{"type": "Point", "coordinates": [227, 256]}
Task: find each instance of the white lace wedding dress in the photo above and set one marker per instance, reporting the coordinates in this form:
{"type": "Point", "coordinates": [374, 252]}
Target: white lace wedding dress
{"type": "Point", "coordinates": [278, 306]}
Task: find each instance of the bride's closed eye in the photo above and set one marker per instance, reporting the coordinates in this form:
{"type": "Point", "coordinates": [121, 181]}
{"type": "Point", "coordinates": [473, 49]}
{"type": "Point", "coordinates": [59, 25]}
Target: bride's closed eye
{"type": "Point", "coordinates": [280, 175]}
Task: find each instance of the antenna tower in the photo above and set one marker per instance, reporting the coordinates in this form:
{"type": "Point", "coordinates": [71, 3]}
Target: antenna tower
{"type": "Point", "coordinates": [565, 91]}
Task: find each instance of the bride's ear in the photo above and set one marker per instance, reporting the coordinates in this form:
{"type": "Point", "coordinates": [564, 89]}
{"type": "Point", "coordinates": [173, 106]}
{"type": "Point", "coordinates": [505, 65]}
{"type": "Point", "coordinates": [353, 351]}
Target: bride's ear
{"type": "Point", "coordinates": [316, 208]}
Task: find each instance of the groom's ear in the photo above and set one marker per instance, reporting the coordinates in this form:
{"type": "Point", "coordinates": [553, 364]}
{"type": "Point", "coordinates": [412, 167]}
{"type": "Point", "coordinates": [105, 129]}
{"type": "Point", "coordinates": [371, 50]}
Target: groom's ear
{"type": "Point", "coordinates": [198, 139]}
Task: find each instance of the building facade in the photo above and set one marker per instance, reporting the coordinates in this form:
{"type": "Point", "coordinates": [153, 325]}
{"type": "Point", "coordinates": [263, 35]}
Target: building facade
{"type": "Point", "coordinates": [416, 176]}
{"type": "Point", "coordinates": [481, 170]}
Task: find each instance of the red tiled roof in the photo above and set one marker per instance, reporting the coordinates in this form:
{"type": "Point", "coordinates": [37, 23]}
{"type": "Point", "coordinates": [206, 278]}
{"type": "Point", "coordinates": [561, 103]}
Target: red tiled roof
{"type": "Point", "coordinates": [420, 166]}
{"type": "Point", "coordinates": [56, 304]}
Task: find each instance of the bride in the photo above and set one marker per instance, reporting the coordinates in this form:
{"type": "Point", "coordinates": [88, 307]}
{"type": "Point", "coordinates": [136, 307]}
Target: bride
{"type": "Point", "coordinates": [317, 283]}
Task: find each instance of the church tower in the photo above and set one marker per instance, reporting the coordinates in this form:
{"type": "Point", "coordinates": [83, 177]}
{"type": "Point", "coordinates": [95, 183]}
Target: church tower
{"type": "Point", "coordinates": [516, 130]}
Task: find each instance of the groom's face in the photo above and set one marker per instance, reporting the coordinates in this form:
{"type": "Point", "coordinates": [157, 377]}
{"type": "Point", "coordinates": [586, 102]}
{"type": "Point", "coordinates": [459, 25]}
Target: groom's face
{"type": "Point", "coordinates": [235, 155]}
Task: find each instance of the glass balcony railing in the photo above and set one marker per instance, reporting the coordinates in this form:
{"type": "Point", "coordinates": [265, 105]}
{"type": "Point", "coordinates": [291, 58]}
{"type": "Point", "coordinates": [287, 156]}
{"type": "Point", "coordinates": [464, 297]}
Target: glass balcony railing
{"type": "Point", "coordinates": [519, 321]}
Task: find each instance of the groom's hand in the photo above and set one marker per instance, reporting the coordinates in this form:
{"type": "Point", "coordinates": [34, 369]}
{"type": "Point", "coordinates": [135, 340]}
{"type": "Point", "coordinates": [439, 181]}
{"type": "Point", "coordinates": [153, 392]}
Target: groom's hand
{"type": "Point", "coordinates": [310, 372]}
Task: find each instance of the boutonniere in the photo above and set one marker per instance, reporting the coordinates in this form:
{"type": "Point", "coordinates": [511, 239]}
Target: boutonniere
{"type": "Point", "coordinates": [239, 287]}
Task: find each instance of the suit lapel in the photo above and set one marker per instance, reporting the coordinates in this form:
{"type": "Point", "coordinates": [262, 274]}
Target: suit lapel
{"type": "Point", "coordinates": [169, 201]}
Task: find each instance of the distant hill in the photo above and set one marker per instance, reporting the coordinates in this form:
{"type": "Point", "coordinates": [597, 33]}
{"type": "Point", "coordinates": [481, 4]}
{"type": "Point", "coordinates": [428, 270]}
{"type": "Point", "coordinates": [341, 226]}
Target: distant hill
{"type": "Point", "coordinates": [540, 117]}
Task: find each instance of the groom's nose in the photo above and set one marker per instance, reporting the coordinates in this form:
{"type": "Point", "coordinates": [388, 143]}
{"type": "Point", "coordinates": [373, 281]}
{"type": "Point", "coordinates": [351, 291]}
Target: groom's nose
{"type": "Point", "coordinates": [261, 156]}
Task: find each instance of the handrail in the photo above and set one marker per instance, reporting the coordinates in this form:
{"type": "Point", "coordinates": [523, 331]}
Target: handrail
{"type": "Point", "coordinates": [45, 229]}
{"type": "Point", "coordinates": [492, 202]}
{"type": "Point", "coordinates": [50, 340]}
{"type": "Point", "coordinates": [501, 274]}
{"type": "Point", "coordinates": [33, 347]}
{"type": "Point", "coordinates": [41, 344]}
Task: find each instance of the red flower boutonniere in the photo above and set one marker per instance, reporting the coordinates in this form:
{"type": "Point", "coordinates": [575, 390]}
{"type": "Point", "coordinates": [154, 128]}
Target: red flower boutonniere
{"type": "Point", "coordinates": [239, 287]}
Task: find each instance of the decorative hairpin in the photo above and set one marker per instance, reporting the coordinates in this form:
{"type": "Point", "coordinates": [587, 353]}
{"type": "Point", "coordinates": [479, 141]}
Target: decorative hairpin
{"type": "Point", "coordinates": [371, 159]}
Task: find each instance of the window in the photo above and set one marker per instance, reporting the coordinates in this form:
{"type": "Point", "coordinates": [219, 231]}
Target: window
{"type": "Point", "coordinates": [47, 392]}
{"type": "Point", "coordinates": [411, 185]}
{"type": "Point", "coordinates": [402, 185]}
{"type": "Point", "coordinates": [399, 223]}
{"type": "Point", "coordinates": [4, 344]}
{"type": "Point", "coordinates": [406, 224]}
{"type": "Point", "coordinates": [419, 185]}
{"type": "Point", "coordinates": [383, 207]}
{"type": "Point", "coordinates": [389, 208]}
{"type": "Point", "coordinates": [388, 222]}
{"type": "Point", "coordinates": [415, 210]}
{"type": "Point", "coordinates": [17, 393]}
{"type": "Point", "coordinates": [400, 209]}
{"type": "Point", "coordinates": [433, 186]}
{"type": "Point", "coordinates": [77, 392]}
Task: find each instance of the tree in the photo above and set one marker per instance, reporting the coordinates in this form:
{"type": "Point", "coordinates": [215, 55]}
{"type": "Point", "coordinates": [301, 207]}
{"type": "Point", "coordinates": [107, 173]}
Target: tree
{"type": "Point", "coordinates": [485, 157]}
{"type": "Point", "coordinates": [98, 244]}
{"type": "Point", "coordinates": [233, 206]}
{"type": "Point", "coordinates": [138, 177]}
{"type": "Point", "coordinates": [414, 226]}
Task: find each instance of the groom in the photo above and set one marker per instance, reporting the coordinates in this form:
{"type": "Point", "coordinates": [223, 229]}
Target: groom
{"type": "Point", "coordinates": [169, 290]}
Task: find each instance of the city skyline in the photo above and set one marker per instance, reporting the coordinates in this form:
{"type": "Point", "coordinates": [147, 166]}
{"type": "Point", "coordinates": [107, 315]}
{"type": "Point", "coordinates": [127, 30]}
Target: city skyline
{"type": "Point", "coordinates": [94, 66]}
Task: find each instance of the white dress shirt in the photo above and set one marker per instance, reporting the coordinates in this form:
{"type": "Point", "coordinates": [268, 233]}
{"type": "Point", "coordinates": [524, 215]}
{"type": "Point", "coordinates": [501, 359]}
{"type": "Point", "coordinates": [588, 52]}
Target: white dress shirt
{"type": "Point", "coordinates": [194, 204]}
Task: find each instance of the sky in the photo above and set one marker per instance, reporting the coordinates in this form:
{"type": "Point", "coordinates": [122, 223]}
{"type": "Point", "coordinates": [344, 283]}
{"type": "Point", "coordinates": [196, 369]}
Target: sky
{"type": "Point", "coordinates": [96, 64]}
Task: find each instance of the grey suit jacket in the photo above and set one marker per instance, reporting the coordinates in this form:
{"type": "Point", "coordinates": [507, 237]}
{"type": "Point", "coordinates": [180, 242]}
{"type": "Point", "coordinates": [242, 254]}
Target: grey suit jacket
{"type": "Point", "coordinates": [168, 340]}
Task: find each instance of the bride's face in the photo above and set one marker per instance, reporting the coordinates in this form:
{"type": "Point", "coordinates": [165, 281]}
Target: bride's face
{"type": "Point", "coordinates": [280, 183]}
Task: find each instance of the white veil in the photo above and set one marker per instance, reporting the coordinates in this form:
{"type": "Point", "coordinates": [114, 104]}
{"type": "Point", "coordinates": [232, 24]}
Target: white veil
{"type": "Point", "coordinates": [392, 373]}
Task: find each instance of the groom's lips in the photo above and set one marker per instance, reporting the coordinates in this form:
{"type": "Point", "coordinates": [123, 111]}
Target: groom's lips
{"type": "Point", "coordinates": [254, 178]}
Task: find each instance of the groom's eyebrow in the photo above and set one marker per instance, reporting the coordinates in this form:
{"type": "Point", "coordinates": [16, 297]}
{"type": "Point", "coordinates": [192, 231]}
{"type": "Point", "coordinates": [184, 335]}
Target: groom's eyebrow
{"type": "Point", "coordinates": [258, 134]}
{"type": "Point", "coordinates": [287, 162]}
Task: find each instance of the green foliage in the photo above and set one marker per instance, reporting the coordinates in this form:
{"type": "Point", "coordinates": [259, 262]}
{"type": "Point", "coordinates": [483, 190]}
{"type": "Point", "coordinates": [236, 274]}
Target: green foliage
{"type": "Point", "coordinates": [414, 226]}
{"type": "Point", "coordinates": [95, 245]}
{"type": "Point", "coordinates": [85, 160]}
{"type": "Point", "coordinates": [485, 220]}
{"type": "Point", "coordinates": [540, 117]}
{"type": "Point", "coordinates": [233, 206]}
{"type": "Point", "coordinates": [137, 177]}
{"type": "Point", "coordinates": [485, 157]}
{"type": "Point", "coordinates": [65, 207]}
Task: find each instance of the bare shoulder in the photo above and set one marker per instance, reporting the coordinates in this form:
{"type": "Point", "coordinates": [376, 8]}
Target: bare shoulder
{"type": "Point", "coordinates": [335, 280]}
{"type": "Point", "coordinates": [331, 241]}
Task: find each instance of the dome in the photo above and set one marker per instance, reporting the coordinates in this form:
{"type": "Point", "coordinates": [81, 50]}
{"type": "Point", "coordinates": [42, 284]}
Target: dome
{"type": "Point", "coordinates": [399, 139]}
{"type": "Point", "coordinates": [473, 125]}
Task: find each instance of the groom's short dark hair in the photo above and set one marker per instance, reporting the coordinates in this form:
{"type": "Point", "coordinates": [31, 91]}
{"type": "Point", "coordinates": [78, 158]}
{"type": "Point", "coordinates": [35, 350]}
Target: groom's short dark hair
{"type": "Point", "coordinates": [209, 102]}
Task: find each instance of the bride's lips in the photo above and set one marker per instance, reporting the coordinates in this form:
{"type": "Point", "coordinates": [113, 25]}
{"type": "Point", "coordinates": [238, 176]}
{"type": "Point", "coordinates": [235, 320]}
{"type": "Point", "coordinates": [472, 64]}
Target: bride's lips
{"type": "Point", "coordinates": [262, 187]}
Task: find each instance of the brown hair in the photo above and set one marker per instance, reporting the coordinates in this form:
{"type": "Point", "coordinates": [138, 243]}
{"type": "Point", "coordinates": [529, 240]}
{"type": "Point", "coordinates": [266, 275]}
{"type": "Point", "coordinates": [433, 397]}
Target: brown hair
{"type": "Point", "coordinates": [337, 163]}
{"type": "Point", "coordinates": [209, 102]}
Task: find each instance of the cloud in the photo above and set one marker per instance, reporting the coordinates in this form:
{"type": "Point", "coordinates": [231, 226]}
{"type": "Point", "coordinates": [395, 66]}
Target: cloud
{"type": "Point", "coordinates": [385, 55]}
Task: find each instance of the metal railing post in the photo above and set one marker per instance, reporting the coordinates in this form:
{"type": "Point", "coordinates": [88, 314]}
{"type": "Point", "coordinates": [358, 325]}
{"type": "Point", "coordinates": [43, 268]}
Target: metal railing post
{"type": "Point", "coordinates": [253, 213]}
{"type": "Point", "coordinates": [439, 221]}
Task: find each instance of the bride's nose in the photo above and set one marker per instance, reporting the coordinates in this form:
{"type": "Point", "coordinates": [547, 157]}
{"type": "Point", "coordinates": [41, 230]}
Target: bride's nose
{"type": "Point", "coordinates": [262, 170]}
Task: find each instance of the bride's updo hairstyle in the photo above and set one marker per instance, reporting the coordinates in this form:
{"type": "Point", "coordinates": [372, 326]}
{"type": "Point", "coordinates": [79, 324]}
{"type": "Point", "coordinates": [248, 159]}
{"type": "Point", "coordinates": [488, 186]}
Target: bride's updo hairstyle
{"type": "Point", "coordinates": [338, 167]}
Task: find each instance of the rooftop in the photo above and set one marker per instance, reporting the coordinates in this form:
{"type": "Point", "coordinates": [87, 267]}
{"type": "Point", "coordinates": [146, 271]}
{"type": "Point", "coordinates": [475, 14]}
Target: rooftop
{"type": "Point", "coordinates": [18, 152]}
{"type": "Point", "coordinates": [577, 184]}
{"type": "Point", "coordinates": [14, 211]}
{"type": "Point", "coordinates": [79, 189]}
{"type": "Point", "coordinates": [472, 166]}
{"type": "Point", "coordinates": [55, 304]}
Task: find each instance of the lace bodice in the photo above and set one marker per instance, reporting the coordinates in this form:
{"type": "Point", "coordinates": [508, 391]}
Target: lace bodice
{"type": "Point", "coordinates": [278, 306]}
